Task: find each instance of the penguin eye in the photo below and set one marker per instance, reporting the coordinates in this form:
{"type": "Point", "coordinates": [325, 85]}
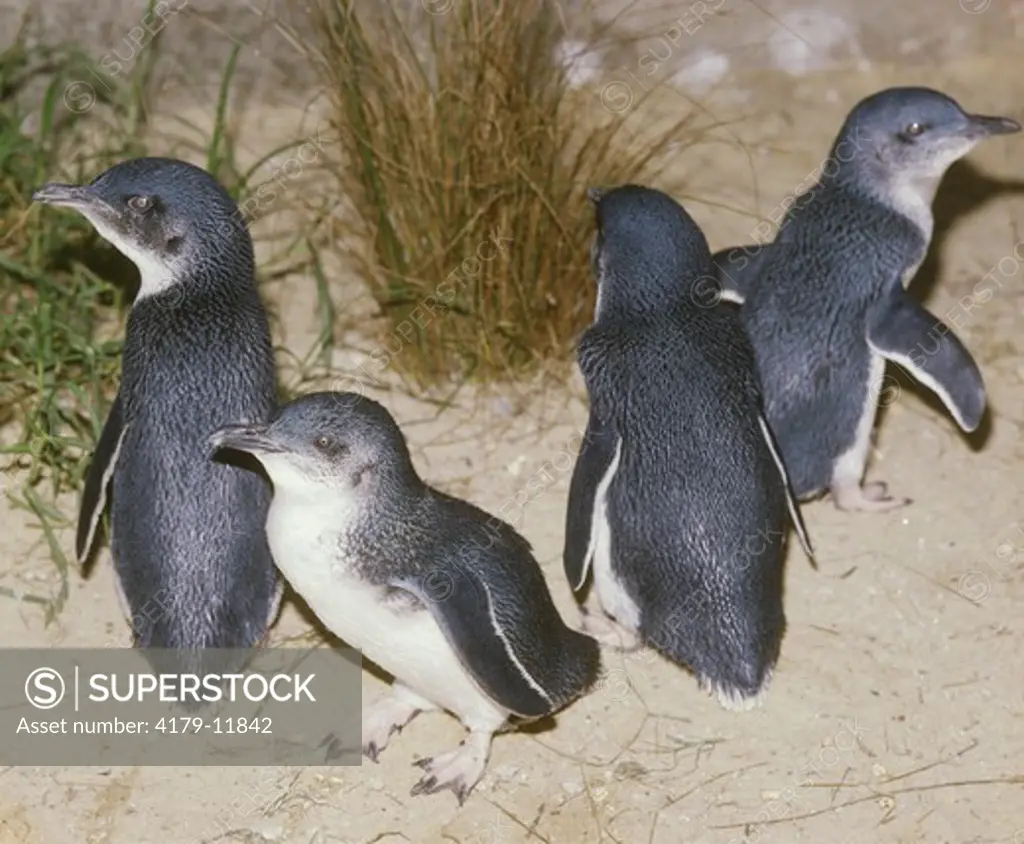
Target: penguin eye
{"type": "Point", "coordinates": [140, 203]}
{"type": "Point", "coordinates": [328, 446]}
{"type": "Point", "coordinates": [914, 129]}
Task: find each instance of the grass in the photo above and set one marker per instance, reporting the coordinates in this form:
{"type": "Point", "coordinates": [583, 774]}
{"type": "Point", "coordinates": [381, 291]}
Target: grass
{"type": "Point", "coordinates": [57, 361]}
{"type": "Point", "coordinates": [63, 290]}
{"type": "Point", "coordinates": [465, 155]}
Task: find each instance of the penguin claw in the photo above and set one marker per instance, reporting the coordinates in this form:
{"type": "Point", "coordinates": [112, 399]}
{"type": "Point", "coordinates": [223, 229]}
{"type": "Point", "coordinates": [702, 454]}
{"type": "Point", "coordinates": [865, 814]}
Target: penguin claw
{"type": "Point", "coordinates": [383, 720]}
{"type": "Point", "coordinates": [457, 771]}
{"type": "Point", "coordinates": [877, 491]}
{"type": "Point", "coordinates": [872, 497]}
{"type": "Point", "coordinates": [430, 785]}
{"type": "Point", "coordinates": [427, 785]}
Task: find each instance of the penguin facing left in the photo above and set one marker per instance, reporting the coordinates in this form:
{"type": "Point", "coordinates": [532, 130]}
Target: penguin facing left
{"type": "Point", "coordinates": [447, 599]}
{"type": "Point", "coordinates": [678, 500]}
{"type": "Point", "coordinates": [187, 533]}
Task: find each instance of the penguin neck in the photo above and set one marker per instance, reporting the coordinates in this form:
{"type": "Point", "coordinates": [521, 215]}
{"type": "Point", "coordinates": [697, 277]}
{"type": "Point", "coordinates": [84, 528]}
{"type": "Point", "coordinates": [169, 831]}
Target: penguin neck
{"type": "Point", "coordinates": [381, 482]}
{"type": "Point", "coordinates": [913, 196]}
{"type": "Point", "coordinates": [223, 270]}
{"type": "Point", "coordinates": [908, 194]}
{"type": "Point", "coordinates": [656, 296]}
{"type": "Point", "coordinates": [178, 285]}
{"type": "Point", "coordinates": [341, 510]}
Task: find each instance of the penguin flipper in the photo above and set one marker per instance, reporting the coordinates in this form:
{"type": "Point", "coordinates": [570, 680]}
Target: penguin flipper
{"type": "Point", "coordinates": [735, 269]}
{"type": "Point", "coordinates": [481, 631]}
{"type": "Point", "coordinates": [791, 499]}
{"type": "Point", "coordinates": [902, 331]}
{"type": "Point", "coordinates": [596, 454]}
{"type": "Point", "coordinates": [97, 480]}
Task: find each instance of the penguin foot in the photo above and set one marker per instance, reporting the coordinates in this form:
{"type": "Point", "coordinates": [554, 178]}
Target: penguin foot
{"type": "Point", "coordinates": [388, 716]}
{"type": "Point", "coordinates": [873, 497]}
{"type": "Point", "coordinates": [607, 631]}
{"type": "Point", "coordinates": [457, 770]}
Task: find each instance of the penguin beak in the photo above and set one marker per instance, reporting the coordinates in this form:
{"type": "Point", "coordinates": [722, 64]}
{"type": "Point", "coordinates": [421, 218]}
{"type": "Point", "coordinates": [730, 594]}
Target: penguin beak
{"type": "Point", "coordinates": [253, 439]}
{"type": "Point", "coordinates": [71, 196]}
{"type": "Point", "coordinates": [982, 126]}
{"type": "Point", "coordinates": [79, 197]}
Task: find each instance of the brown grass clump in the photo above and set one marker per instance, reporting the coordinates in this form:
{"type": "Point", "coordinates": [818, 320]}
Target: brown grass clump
{"type": "Point", "coordinates": [465, 157]}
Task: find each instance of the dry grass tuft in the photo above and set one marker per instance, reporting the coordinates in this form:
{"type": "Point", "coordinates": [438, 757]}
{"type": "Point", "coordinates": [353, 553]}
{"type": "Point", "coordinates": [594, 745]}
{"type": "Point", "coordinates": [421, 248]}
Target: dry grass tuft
{"type": "Point", "coordinates": [465, 156]}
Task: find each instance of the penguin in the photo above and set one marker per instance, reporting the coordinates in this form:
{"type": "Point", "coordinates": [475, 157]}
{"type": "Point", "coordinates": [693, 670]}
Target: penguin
{"type": "Point", "coordinates": [187, 534]}
{"type": "Point", "coordinates": [678, 500]}
{"type": "Point", "coordinates": [825, 304]}
{"type": "Point", "coordinates": [439, 594]}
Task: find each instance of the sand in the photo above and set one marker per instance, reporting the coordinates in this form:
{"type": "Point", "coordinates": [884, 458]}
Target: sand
{"type": "Point", "coordinates": [896, 710]}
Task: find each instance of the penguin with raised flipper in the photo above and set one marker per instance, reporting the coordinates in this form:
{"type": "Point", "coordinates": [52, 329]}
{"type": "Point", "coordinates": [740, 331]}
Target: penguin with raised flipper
{"type": "Point", "coordinates": [825, 303]}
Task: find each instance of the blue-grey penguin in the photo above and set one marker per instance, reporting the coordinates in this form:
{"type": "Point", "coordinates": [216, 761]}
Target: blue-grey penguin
{"type": "Point", "coordinates": [447, 599]}
{"type": "Point", "coordinates": [678, 500]}
{"type": "Point", "coordinates": [825, 303]}
{"type": "Point", "coordinates": [188, 536]}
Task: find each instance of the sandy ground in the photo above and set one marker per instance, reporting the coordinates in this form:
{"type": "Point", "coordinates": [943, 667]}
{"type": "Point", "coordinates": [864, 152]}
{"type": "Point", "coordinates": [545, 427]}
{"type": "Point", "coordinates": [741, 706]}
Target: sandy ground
{"type": "Point", "coordinates": [896, 711]}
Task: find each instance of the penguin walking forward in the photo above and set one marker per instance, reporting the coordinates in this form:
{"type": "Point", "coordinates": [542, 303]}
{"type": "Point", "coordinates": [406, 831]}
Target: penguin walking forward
{"type": "Point", "coordinates": [825, 304]}
{"type": "Point", "coordinates": [187, 534]}
{"type": "Point", "coordinates": [678, 500]}
{"type": "Point", "coordinates": [445, 598]}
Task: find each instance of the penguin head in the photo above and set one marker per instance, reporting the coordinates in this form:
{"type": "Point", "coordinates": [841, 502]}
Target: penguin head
{"type": "Point", "coordinates": [648, 254]}
{"type": "Point", "coordinates": [173, 220]}
{"type": "Point", "coordinates": [327, 443]}
{"type": "Point", "coordinates": [913, 133]}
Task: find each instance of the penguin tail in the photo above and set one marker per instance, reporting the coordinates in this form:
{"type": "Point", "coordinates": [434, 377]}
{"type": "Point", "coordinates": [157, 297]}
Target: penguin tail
{"type": "Point", "coordinates": [580, 665]}
{"type": "Point", "coordinates": [206, 665]}
{"type": "Point", "coordinates": [735, 671]}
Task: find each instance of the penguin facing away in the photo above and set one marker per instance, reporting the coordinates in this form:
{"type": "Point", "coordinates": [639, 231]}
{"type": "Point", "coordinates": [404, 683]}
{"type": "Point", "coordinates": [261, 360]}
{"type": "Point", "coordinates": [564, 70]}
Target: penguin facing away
{"type": "Point", "coordinates": [825, 304]}
{"type": "Point", "coordinates": [193, 567]}
{"type": "Point", "coordinates": [678, 500]}
{"type": "Point", "coordinates": [436, 592]}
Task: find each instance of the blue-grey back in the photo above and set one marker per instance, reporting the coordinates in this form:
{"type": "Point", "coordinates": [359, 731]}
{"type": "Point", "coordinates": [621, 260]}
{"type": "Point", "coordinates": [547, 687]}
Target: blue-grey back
{"type": "Point", "coordinates": [681, 391]}
{"type": "Point", "coordinates": [189, 368]}
{"type": "Point", "coordinates": [837, 251]}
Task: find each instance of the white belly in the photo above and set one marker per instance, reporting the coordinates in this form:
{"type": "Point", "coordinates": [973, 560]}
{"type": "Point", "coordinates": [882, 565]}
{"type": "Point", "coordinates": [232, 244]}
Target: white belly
{"type": "Point", "coordinates": [611, 594]}
{"type": "Point", "coordinates": [407, 644]}
{"type": "Point", "coordinates": [849, 468]}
